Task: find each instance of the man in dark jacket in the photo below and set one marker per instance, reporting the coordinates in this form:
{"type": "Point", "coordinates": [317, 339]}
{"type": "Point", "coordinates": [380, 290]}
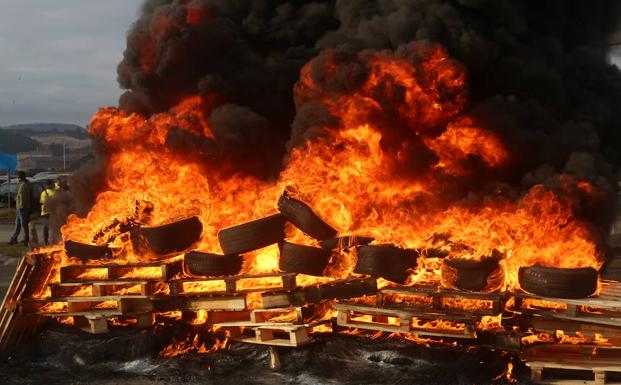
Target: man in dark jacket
{"type": "Point", "coordinates": [23, 203]}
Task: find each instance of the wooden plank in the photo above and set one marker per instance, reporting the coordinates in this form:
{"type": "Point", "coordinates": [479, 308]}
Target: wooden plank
{"type": "Point", "coordinates": [198, 302]}
{"type": "Point", "coordinates": [267, 335]}
{"type": "Point", "coordinates": [91, 325]}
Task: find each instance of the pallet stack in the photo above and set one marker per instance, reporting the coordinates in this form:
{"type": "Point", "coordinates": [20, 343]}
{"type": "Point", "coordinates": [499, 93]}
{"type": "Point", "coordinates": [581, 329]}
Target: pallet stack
{"type": "Point", "coordinates": [423, 310]}
{"type": "Point", "coordinates": [94, 294]}
{"type": "Point", "coordinates": [575, 335]}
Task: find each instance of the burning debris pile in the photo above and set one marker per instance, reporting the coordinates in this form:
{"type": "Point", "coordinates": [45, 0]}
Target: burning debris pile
{"type": "Point", "coordinates": [278, 170]}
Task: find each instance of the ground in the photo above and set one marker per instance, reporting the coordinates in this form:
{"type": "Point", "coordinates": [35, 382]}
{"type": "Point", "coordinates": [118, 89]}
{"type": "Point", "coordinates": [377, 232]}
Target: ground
{"type": "Point", "coordinates": [63, 356]}
{"type": "Point", "coordinates": [9, 255]}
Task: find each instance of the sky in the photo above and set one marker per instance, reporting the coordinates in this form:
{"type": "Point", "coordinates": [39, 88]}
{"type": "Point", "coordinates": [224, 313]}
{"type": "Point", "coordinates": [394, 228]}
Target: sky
{"type": "Point", "coordinates": [58, 58]}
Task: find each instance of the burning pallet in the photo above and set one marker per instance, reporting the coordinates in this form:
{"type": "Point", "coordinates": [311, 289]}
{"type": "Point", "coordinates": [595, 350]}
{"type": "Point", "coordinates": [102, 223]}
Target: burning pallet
{"type": "Point", "coordinates": [440, 299]}
{"type": "Point", "coordinates": [289, 326]}
{"type": "Point", "coordinates": [14, 325]}
{"type": "Point", "coordinates": [338, 289]}
{"type": "Point", "coordinates": [604, 309]}
{"type": "Point", "coordinates": [152, 272]}
{"type": "Point", "coordinates": [401, 319]}
{"type": "Point", "coordinates": [574, 361]}
{"type": "Point", "coordinates": [246, 283]}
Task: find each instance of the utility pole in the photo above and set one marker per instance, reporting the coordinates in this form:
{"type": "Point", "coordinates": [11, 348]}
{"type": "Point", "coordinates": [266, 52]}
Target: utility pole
{"type": "Point", "coordinates": [64, 156]}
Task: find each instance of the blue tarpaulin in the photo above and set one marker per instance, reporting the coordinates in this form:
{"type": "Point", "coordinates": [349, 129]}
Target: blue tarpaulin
{"type": "Point", "coordinates": [8, 161]}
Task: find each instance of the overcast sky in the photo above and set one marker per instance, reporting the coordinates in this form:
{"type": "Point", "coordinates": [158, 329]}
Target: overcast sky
{"type": "Point", "coordinates": [58, 58]}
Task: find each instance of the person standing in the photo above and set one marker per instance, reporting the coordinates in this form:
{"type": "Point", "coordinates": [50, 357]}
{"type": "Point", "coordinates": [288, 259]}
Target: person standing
{"type": "Point", "coordinates": [45, 211]}
{"type": "Point", "coordinates": [23, 205]}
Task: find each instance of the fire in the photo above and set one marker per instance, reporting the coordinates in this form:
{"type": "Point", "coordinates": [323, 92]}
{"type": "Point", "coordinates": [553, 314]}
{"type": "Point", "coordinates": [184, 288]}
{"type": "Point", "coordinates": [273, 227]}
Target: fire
{"type": "Point", "coordinates": [396, 164]}
{"type": "Point", "coordinates": [351, 175]}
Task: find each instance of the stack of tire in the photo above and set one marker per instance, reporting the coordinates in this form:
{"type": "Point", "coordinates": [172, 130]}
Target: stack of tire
{"type": "Point", "coordinates": [235, 241]}
{"type": "Point", "coordinates": [295, 258]}
{"type": "Point", "coordinates": [152, 242]}
{"type": "Point", "coordinates": [303, 259]}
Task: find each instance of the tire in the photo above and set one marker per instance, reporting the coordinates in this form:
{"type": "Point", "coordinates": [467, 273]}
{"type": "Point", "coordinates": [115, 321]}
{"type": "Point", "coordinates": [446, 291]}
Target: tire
{"type": "Point", "coordinates": [472, 275]}
{"type": "Point", "coordinates": [252, 235]}
{"type": "Point", "coordinates": [303, 259]}
{"type": "Point", "coordinates": [558, 282]}
{"type": "Point", "coordinates": [87, 251]}
{"type": "Point", "coordinates": [171, 238]}
{"type": "Point", "coordinates": [344, 243]}
{"type": "Point", "coordinates": [389, 262]}
{"type": "Point", "coordinates": [304, 218]}
{"type": "Point", "coordinates": [212, 265]}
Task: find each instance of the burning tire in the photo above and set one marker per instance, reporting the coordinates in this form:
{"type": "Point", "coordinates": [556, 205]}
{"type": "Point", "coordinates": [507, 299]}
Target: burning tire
{"type": "Point", "coordinates": [87, 251]}
{"type": "Point", "coordinates": [212, 265]}
{"type": "Point", "coordinates": [302, 259]}
{"type": "Point", "coordinates": [471, 275]}
{"type": "Point", "coordinates": [175, 237]}
{"type": "Point", "coordinates": [344, 243]}
{"type": "Point", "coordinates": [558, 282]}
{"type": "Point", "coordinates": [252, 235]}
{"type": "Point", "coordinates": [389, 262]}
{"type": "Point", "coordinates": [304, 218]}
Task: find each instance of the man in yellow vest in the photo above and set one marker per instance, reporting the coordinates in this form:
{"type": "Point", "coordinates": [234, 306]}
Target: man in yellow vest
{"type": "Point", "coordinates": [45, 211]}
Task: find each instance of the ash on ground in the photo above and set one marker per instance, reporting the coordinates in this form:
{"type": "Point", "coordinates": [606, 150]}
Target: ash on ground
{"type": "Point", "coordinates": [62, 355]}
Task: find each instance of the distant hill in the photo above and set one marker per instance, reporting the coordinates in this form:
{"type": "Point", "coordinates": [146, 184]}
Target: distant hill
{"type": "Point", "coordinates": [12, 142]}
{"type": "Point", "coordinates": [35, 130]}
{"type": "Point", "coordinates": [45, 127]}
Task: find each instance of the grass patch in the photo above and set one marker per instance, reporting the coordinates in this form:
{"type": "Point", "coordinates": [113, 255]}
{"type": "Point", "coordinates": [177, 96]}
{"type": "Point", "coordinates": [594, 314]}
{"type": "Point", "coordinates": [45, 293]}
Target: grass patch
{"type": "Point", "coordinates": [7, 215]}
{"type": "Point", "coordinates": [14, 251]}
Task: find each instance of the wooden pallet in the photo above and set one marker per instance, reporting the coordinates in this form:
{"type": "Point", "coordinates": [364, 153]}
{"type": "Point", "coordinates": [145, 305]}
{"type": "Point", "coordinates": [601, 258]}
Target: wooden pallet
{"type": "Point", "coordinates": [254, 317]}
{"type": "Point", "coordinates": [108, 288]}
{"type": "Point", "coordinates": [604, 309]}
{"type": "Point", "coordinates": [99, 324]}
{"type": "Point", "coordinates": [15, 327]}
{"type": "Point", "coordinates": [436, 297]}
{"type": "Point", "coordinates": [108, 306]}
{"type": "Point", "coordinates": [86, 306]}
{"type": "Point", "coordinates": [545, 324]}
{"type": "Point", "coordinates": [338, 289]}
{"type": "Point", "coordinates": [154, 271]}
{"type": "Point", "coordinates": [246, 283]}
{"type": "Point", "coordinates": [405, 320]}
{"type": "Point", "coordinates": [573, 359]}
{"type": "Point", "coordinates": [288, 335]}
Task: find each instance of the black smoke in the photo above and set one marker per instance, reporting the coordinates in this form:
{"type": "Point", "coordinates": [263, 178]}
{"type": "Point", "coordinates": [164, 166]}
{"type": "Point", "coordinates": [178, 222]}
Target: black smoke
{"type": "Point", "coordinates": [538, 76]}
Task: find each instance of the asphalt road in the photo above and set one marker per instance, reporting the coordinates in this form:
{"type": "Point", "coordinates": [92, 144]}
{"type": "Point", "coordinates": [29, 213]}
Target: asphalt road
{"type": "Point", "coordinates": [6, 230]}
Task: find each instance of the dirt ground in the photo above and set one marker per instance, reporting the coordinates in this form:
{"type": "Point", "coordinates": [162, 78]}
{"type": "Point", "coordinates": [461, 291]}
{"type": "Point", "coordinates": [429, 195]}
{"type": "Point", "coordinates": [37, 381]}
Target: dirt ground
{"type": "Point", "coordinates": [64, 356]}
